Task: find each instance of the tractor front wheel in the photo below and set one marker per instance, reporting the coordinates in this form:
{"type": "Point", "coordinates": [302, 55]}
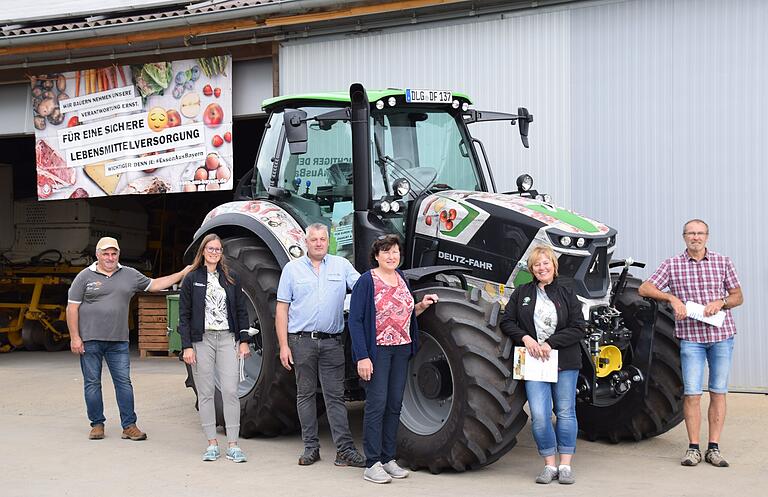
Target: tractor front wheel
{"type": "Point", "coordinates": [461, 409]}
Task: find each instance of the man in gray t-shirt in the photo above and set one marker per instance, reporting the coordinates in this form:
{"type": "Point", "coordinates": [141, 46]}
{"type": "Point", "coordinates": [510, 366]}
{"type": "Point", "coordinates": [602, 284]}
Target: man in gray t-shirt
{"type": "Point", "coordinates": [97, 317]}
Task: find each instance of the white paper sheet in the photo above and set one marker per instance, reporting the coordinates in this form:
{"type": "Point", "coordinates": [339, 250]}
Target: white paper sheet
{"type": "Point", "coordinates": [529, 368]}
{"type": "Point", "coordinates": [696, 311]}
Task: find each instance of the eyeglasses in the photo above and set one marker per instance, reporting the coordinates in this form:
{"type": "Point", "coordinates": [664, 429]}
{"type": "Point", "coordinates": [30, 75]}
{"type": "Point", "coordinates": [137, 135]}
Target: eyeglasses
{"type": "Point", "coordinates": [213, 250]}
{"type": "Point", "coordinates": [695, 233]}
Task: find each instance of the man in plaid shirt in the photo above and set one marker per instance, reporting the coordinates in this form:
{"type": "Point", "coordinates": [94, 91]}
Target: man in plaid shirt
{"type": "Point", "coordinates": [707, 278]}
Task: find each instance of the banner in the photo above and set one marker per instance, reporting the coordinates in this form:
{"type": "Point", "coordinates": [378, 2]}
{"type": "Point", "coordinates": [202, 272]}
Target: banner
{"type": "Point", "coordinates": [162, 127]}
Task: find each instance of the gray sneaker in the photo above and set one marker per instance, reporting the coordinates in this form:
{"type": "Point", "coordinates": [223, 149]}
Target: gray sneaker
{"type": "Point", "coordinates": [376, 474]}
{"type": "Point", "coordinates": [565, 475]}
{"type": "Point", "coordinates": [713, 457]}
{"type": "Point", "coordinates": [211, 453]}
{"type": "Point", "coordinates": [547, 475]}
{"type": "Point", "coordinates": [350, 457]}
{"type": "Point", "coordinates": [394, 470]}
{"type": "Point", "coordinates": [310, 456]}
{"type": "Point", "coordinates": [692, 457]}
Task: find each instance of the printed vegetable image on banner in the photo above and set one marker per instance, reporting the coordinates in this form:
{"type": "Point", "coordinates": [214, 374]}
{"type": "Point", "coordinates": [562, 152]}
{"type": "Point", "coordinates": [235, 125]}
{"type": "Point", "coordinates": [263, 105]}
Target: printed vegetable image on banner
{"type": "Point", "coordinates": [161, 127]}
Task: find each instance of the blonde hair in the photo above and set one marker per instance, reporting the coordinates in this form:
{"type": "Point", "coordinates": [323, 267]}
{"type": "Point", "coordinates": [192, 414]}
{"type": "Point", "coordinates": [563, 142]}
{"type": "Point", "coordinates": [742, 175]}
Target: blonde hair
{"type": "Point", "coordinates": [541, 251]}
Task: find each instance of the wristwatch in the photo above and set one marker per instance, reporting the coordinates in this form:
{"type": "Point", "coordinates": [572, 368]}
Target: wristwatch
{"type": "Point", "coordinates": [725, 301]}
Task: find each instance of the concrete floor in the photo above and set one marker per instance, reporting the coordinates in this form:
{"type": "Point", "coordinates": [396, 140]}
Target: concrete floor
{"type": "Point", "coordinates": [45, 450]}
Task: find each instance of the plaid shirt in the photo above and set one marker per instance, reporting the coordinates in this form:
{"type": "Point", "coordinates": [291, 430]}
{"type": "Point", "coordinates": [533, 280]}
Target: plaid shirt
{"type": "Point", "coordinates": [702, 282]}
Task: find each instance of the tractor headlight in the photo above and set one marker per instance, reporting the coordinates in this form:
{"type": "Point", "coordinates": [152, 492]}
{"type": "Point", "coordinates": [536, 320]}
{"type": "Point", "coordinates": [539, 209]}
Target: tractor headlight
{"type": "Point", "coordinates": [464, 107]}
{"type": "Point", "coordinates": [391, 101]}
{"type": "Point", "coordinates": [379, 104]}
{"type": "Point", "coordinates": [580, 242]}
{"type": "Point", "coordinates": [455, 104]}
{"type": "Point", "coordinates": [565, 241]}
{"type": "Point", "coordinates": [401, 187]}
{"type": "Point", "coordinates": [524, 182]}
{"type": "Point", "coordinates": [383, 206]}
{"type": "Point", "coordinates": [395, 206]}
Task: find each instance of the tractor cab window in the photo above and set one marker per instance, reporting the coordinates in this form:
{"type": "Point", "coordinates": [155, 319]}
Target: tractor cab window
{"type": "Point", "coordinates": [320, 181]}
{"type": "Point", "coordinates": [425, 146]}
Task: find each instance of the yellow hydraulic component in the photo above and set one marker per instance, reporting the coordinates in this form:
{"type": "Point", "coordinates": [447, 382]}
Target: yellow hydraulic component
{"type": "Point", "coordinates": [45, 314]}
{"type": "Point", "coordinates": [608, 360]}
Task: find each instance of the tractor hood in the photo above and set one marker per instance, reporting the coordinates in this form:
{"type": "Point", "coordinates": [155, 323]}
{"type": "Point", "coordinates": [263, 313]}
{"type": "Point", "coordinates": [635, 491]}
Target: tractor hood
{"type": "Point", "coordinates": [493, 232]}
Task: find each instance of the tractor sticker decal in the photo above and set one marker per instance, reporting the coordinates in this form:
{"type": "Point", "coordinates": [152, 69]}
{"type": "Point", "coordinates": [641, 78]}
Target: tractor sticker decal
{"type": "Point", "coordinates": [565, 216]}
{"type": "Point", "coordinates": [548, 214]}
{"type": "Point", "coordinates": [446, 216]}
{"type": "Point", "coordinates": [285, 228]}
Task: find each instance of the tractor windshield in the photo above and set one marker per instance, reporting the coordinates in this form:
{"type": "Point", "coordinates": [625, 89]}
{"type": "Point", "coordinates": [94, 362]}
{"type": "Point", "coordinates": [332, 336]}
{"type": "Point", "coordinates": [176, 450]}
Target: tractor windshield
{"type": "Point", "coordinates": [428, 147]}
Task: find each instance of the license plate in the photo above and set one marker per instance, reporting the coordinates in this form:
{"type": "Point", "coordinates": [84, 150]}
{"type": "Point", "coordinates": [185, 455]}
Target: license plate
{"type": "Point", "coordinates": [428, 96]}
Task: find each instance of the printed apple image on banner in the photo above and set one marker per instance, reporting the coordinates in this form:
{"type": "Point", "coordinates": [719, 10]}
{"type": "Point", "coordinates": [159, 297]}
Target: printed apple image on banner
{"type": "Point", "coordinates": [213, 115]}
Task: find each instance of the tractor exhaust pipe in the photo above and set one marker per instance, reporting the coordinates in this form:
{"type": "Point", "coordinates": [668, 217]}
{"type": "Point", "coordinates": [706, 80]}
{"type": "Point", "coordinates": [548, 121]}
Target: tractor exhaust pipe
{"type": "Point", "coordinates": [364, 232]}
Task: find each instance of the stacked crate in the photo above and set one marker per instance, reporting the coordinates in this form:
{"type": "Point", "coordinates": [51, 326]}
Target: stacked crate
{"type": "Point", "coordinates": [153, 324]}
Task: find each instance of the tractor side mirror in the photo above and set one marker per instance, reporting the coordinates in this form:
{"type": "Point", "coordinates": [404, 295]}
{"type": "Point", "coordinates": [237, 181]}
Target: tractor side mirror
{"type": "Point", "coordinates": [295, 123]}
{"type": "Point", "coordinates": [523, 121]}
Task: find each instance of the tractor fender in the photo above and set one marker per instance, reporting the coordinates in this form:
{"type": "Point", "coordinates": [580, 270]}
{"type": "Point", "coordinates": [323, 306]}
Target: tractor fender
{"type": "Point", "coordinates": [420, 276]}
{"type": "Point", "coordinates": [280, 231]}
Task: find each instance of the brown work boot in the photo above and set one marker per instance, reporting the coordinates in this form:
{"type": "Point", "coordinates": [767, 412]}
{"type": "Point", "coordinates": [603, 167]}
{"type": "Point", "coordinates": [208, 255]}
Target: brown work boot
{"type": "Point", "coordinates": [134, 433]}
{"type": "Point", "coordinates": [97, 432]}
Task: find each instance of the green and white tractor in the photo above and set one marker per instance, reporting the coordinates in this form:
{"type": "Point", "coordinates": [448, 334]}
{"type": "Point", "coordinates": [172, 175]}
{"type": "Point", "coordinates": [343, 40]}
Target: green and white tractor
{"type": "Point", "coordinates": [367, 163]}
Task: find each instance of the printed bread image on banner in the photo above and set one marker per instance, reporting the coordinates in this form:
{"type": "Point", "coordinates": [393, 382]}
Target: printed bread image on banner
{"type": "Point", "coordinates": [162, 127]}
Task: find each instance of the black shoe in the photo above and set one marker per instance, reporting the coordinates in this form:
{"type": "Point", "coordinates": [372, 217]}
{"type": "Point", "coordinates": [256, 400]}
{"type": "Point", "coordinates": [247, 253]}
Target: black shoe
{"type": "Point", "coordinates": [310, 456]}
{"type": "Point", "coordinates": [350, 457]}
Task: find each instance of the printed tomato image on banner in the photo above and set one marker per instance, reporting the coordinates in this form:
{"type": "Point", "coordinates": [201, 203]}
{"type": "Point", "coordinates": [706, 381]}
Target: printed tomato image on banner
{"type": "Point", "coordinates": [145, 128]}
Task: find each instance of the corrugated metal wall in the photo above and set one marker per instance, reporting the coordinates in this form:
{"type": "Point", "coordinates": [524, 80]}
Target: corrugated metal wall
{"type": "Point", "coordinates": [647, 113]}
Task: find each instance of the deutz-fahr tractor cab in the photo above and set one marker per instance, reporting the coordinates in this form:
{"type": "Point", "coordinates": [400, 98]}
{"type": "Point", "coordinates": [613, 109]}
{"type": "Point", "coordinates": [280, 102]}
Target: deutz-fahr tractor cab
{"type": "Point", "coordinates": [366, 163]}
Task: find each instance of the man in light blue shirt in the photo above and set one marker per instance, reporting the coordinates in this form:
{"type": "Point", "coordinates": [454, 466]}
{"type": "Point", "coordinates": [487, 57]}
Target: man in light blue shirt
{"type": "Point", "coordinates": [309, 321]}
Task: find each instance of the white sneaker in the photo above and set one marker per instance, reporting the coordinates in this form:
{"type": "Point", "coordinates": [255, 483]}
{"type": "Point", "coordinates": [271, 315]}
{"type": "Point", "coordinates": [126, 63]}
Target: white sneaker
{"type": "Point", "coordinates": [376, 474]}
{"type": "Point", "coordinates": [394, 470]}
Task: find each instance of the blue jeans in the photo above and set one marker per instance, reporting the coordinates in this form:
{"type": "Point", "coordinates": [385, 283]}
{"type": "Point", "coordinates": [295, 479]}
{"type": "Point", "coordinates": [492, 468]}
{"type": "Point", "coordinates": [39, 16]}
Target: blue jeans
{"type": "Point", "coordinates": [118, 362]}
{"type": "Point", "coordinates": [562, 437]}
{"type": "Point", "coordinates": [383, 400]}
{"type": "Point", "coordinates": [693, 356]}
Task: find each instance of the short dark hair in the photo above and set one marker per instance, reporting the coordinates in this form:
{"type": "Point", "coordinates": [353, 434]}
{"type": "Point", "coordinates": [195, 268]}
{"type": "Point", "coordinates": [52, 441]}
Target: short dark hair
{"type": "Point", "coordinates": [382, 243]}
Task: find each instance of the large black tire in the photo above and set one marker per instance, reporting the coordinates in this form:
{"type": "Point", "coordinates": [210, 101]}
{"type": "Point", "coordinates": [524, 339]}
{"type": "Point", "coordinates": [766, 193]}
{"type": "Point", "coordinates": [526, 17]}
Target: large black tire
{"type": "Point", "coordinates": [639, 415]}
{"type": "Point", "coordinates": [479, 421]}
{"type": "Point", "coordinates": [33, 335]}
{"type": "Point", "coordinates": [268, 405]}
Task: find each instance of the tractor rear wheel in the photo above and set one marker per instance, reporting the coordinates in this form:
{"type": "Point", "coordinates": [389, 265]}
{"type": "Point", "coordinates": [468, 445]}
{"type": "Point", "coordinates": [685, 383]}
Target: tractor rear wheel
{"type": "Point", "coordinates": [268, 394]}
{"type": "Point", "coordinates": [638, 414]}
{"type": "Point", "coordinates": [461, 409]}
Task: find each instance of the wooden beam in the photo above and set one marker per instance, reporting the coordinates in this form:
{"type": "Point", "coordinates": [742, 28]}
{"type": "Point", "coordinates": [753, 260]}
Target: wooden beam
{"type": "Point", "coordinates": [354, 12]}
{"type": "Point", "coordinates": [220, 27]}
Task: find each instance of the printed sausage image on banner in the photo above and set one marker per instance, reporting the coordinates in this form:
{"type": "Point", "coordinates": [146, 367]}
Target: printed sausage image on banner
{"type": "Point", "coordinates": [162, 127]}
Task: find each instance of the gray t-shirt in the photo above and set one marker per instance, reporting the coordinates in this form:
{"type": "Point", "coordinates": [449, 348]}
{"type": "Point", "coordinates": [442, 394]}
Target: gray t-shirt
{"type": "Point", "coordinates": [104, 301]}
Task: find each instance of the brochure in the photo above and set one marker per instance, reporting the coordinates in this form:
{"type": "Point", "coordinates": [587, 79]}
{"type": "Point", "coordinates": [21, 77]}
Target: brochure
{"type": "Point", "coordinates": [696, 311]}
{"type": "Point", "coordinates": [530, 368]}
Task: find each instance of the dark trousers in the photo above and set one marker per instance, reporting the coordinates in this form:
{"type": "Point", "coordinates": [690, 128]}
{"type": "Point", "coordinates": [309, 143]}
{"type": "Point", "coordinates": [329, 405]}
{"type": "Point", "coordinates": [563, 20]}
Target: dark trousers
{"type": "Point", "coordinates": [322, 359]}
{"type": "Point", "coordinates": [383, 400]}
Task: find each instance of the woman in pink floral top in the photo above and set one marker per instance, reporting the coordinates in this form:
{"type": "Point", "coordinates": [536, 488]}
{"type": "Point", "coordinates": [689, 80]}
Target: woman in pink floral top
{"type": "Point", "coordinates": [382, 325]}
